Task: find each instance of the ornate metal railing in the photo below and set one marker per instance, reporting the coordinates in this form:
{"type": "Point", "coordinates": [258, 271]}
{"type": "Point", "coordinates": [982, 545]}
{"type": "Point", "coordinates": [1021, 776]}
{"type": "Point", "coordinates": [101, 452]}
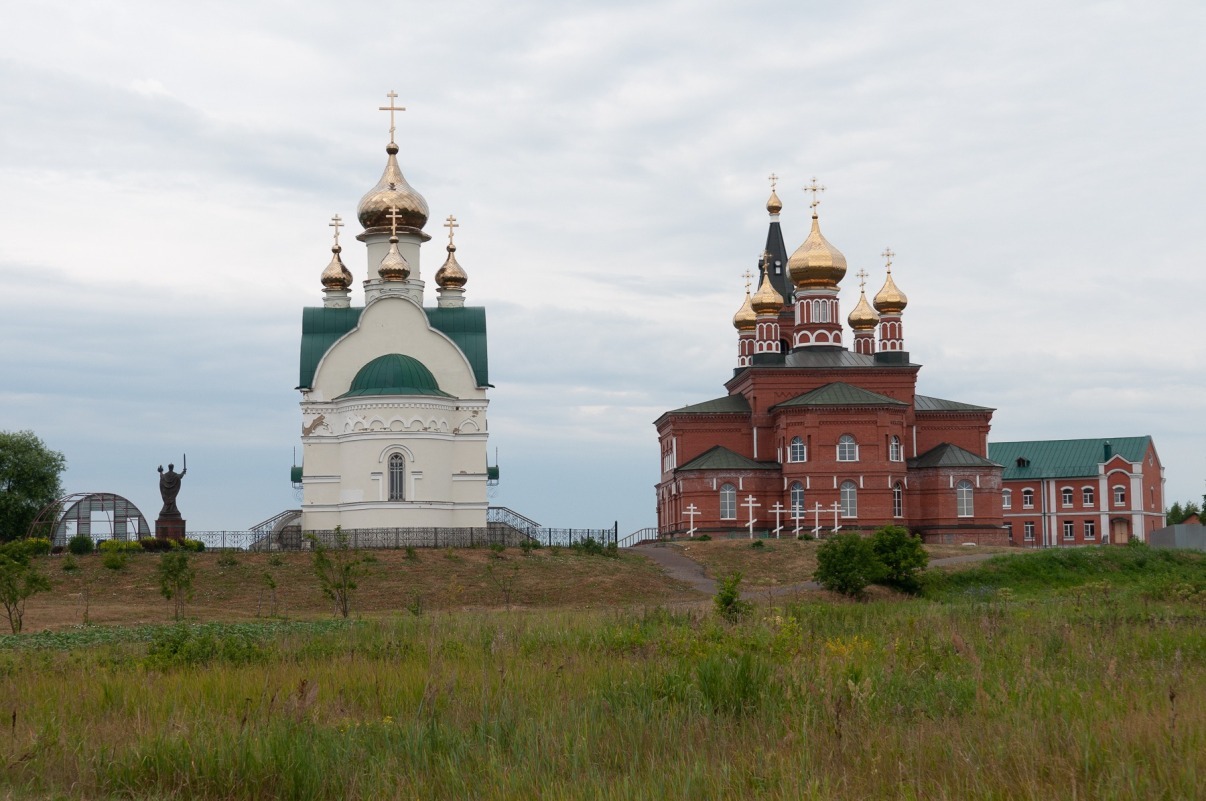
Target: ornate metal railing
{"type": "Point", "coordinates": [501, 515]}
{"type": "Point", "coordinates": [638, 536]}
{"type": "Point", "coordinates": [295, 539]}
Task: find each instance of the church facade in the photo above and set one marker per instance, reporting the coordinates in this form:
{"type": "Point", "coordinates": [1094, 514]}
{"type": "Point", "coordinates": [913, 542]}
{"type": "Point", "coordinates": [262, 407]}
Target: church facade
{"type": "Point", "coordinates": [393, 391]}
{"type": "Point", "coordinates": [813, 435]}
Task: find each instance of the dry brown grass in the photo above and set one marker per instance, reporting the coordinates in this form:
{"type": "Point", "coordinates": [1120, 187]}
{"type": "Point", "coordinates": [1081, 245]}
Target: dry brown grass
{"type": "Point", "coordinates": [438, 578]}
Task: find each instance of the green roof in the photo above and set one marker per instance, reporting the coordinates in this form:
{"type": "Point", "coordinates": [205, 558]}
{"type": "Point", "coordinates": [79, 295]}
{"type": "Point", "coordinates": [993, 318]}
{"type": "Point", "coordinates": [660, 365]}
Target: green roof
{"type": "Point", "coordinates": [322, 327]}
{"type": "Point", "coordinates": [1063, 458]}
{"type": "Point", "coordinates": [726, 405]}
{"type": "Point", "coordinates": [948, 455]}
{"type": "Point", "coordinates": [924, 403]}
{"type": "Point", "coordinates": [719, 457]}
{"type": "Point", "coordinates": [395, 374]}
{"type": "Point", "coordinates": [839, 394]}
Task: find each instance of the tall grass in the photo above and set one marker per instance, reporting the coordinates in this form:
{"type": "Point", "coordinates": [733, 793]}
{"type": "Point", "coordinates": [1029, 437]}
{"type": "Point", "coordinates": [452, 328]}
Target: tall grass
{"type": "Point", "coordinates": [1003, 698]}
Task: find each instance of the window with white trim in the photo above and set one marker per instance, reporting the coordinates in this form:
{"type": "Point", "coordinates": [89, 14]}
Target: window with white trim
{"type": "Point", "coordinates": [797, 452]}
{"type": "Point", "coordinates": [797, 500]}
{"type": "Point", "coordinates": [397, 477]}
{"type": "Point", "coordinates": [847, 449]}
{"type": "Point", "coordinates": [1007, 499]}
{"type": "Point", "coordinates": [895, 452]}
{"type": "Point", "coordinates": [1028, 530]}
{"type": "Point", "coordinates": [1066, 496]}
{"type": "Point", "coordinates": [1069, 530]}
{"type": "Point", "coordinates": [1027, 499]}
{"type": "Point", "coordinates": [1087, 496]}
{"type": "Point", "coordinates": [1120, 496]}
{"type": "Point", "coordinates": [849, 499]}
{"type": "Point", "coordinates": [897, 500]}
{"type": "Point", "coordinates": [965, 504]}
{"type": "Point", "coordinates": [1090, 530]}
{"type": "Point", "coordinates": [728, 502]}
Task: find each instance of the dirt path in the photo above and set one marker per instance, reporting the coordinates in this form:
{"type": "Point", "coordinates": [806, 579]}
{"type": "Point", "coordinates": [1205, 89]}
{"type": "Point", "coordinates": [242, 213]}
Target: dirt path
{"type": "Point", "coordinates": [677, 565]}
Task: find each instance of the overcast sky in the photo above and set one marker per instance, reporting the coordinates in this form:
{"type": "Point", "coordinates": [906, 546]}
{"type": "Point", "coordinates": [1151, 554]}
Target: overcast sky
{"type": "Point", "coordinates": [167, 171]}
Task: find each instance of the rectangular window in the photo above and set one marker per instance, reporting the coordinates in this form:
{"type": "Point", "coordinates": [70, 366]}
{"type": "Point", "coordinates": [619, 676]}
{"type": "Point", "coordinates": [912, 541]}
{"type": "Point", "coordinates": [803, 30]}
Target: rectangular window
{"type": "Point", "coordinates": [1090, 530]}
{"type": "Point", "coordinates": [1069, 530]}
{"type": "Point", "coordinates": [1029, 530]}
{"type": "Point", "coordinates": [1007, 500]}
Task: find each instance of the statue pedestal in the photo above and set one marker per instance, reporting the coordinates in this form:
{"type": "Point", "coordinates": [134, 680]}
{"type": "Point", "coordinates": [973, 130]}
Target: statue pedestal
{"type": "Point", "coordinates": [169, 528]}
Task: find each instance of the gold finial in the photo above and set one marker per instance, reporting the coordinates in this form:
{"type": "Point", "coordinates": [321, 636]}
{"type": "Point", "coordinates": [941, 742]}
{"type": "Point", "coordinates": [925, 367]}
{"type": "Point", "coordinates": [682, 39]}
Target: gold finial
{"type": "Point", "coordinates": [336, 223]}
{"type": "Point", "coordinates": [391, 108]}
{"type": "Point", "coordinates": [451, 223]}
{"type": "Point", "coordinates": [862, 279]}
{"type": "Point", "coordinates": [774, 179]}
{"type": "Point", "coordinates": [888, 254]}
{"type": "Point", "coordinates": [814, 187]}
{"type": "Point", "coordinates": [393, 222]}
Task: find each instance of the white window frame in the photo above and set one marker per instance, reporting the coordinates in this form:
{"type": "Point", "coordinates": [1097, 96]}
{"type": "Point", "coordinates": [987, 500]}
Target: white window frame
{"type": "Point", "coordinates": [895, 450]}
{"type": "Point", "coordinates": [965, 499]}
{"type": "Point", "coordinates": [1069, 530]}
{"type": "Point", "coordinates": [1066, 496]}
{"type": "Point", "coordinates": [1088, 496]}
{"type": "Point", "coordinates": [1119, 495]}
{"type": "Point", "coordinates": [798, 507]}
{"type": "Point", "coordinates": [797, 451]}
{"type": "Point", "coordinates": [1027, 498]}
{"type": "Point", "coordinates": [1007, 499]}
{"type": "Point", "coordinates": [849, 496]}
{"type": "Point", "coordinates": [396, 477]}
{"type": "Point", "coordinates": [847, 448]}
{"type": "Point", "coordinates": [728, 502]}
{"type": "Point", "coordinates": [1028, 530]}
{"type": "Point", "coordinates": [897, 500]}
{"type": "Point", "coordinates": [1090, 530]}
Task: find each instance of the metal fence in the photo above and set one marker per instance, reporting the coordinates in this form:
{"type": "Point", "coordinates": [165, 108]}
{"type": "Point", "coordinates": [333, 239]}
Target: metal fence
{"type": "Point", "coordinates": [357, 538]}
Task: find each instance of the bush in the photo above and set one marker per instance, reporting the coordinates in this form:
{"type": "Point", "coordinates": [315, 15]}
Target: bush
{"type": "Point", "coordinates": [757, 545]}
{"type": "Point", "coordinates": [902, 556]}
{"type": "Point", "coordinates": [115, 560]}
{"type": "Point", "coordinates": [847, 564]}
{"type": "Point", "coordinates": [80, 545]}
{"type": "Point", "coordinates": [37, 546]}
{"type": "Point", "coordinates": [194, 546]}
{"type": "Point", "coordinates": [728, 598]}
{"type": "Point", "coordinates": [704, 538]}
{"type": "Point", "coordinates": [590, 545]}
{"type": "Point", "coordinates": [155, 545]}
{"type": "Point", "coordinates": [176, 579]}
{"type": "Point", "coordinates": [120, 546]}
{"type": "Point", "coordinates": [227, 559]}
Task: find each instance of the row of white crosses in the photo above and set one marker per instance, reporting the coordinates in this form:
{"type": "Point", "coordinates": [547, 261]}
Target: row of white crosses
{"type": "Point", "coordinates": [751, 503]}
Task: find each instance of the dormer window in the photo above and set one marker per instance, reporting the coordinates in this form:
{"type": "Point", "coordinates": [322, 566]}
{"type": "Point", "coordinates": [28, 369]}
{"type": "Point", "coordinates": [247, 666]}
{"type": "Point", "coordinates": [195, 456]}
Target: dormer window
{"type": "Point", "coordinates": [1023, 462]}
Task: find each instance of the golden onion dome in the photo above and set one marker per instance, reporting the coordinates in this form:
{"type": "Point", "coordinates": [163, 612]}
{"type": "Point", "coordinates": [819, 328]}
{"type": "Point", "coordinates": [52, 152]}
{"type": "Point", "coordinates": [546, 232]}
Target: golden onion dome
{"type": "Point", "coordinates": [816, 263]}
{"type": "Point", "coordinates": [890, 300]}
{"type": "Point", "coordinates": [394, 266]}
{"type": "Point", "coordinates": [392, 192]}
{"type": "Point", "coordinates": [863, 318]}
{"type": "Point", "coordinates": [745, 319]}
{"type": "Point", "coordinates": [766, 300]}
{"type": "Point", "coordinates": [451, 273]}
{"type": "Point", "coordinates": [336, 276]}
{"type": "Point", "coordinates": [774, 205]}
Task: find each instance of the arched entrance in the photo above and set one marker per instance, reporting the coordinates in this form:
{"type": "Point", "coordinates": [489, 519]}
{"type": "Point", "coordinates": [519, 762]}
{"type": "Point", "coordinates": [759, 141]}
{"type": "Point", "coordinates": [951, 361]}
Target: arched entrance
{"type": "Point", "coordinates": [99, 515]}
{"type": "Point", "coordinates": [1120, 530]}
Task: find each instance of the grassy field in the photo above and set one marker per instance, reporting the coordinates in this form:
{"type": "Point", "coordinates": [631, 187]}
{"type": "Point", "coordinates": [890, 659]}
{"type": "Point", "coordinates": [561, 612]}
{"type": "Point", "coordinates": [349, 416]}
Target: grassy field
{"type": "Point", "coordinates": [1052, 675]}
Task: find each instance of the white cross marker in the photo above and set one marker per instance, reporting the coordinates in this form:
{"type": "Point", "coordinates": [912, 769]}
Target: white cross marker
{"type": "Point", "coordinates": [778, 509]}
{"type": "Point", "coordinates": [751, 503]}
{"type": "Point", "coordinates": [692, 511]}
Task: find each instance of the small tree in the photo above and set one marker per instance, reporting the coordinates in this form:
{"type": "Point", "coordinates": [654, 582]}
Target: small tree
{"type": "Point", "coordinates": [903, 557]}
{"type": "Point", "coordinates": [176, 579]}
{"type": "Point", "coordinates": [337, 570]}
{"type": "Point", "coordinates": [847, 564]}
{"type": "Point", "coordinates": [19, 580]}
{"type": "Point", "coordinates": [728, 598]}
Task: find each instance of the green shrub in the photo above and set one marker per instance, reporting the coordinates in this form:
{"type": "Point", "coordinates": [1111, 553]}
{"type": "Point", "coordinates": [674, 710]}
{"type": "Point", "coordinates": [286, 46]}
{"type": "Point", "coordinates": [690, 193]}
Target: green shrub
{"type": "Point", "coordinates": [728, 598]}
{"type": "Point", "coordinates": [37, 546]}
{"type": "Point", "coordinates": [115, 560]}
{"type": "Point", "coordinates": [176, 579]}
{"type": "Point", "coordinates": [411, 554]}
{"type": "Point", "coordinates": [120, 546]}
{"type": "Point", "coordinates": [757, 545]}
{"type": "Point", "coordinates": [80, 545]}
{"type": "Point", "coordinates": [155, 544]}
{"type": "Point", "coordinates": [847, 564]}
{"type": "Point", "coordinates": [276, 560]}
{"type": "Point", "coordinates": [902, 556]}
{"type": "Point", "coordinates": [193, 546]}
{"type": "Point", "coordinates": [185, 646]}
{"type": "Point", "coordinates": [704, 538]}
{"type": "Point", "coordinates": [590, 545]}
{"type": "Point", "coordinates": [227, 559]}
{"type": "Point", "coordinates": [69, 564]}
{"type": "Point", "coordinates": [497, 547]}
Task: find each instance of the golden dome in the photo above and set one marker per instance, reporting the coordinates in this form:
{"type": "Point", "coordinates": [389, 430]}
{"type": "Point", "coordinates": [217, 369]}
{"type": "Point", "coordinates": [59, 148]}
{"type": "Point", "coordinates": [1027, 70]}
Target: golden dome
{"type": "Point", "coordinates": [745, 319]}
{"type": "Point", "coordinates": [392, 192]}
{"type": "Point", "coordinates": [863, 318]}
{"type": "Point", "coordinates": [394, 266]}
{"type": "Point", "coordinates": [336, 276]}
{"type": "Point", "coordinates": [767, 300]}
{"type": "Point", "coordinates": [451, 273]}
{"type": "Point", "coordinates": [774, 205]}
{"type": "Point", "coordinates": [890, 300]}
{"type": "Point", "coordinates": [816, 263]}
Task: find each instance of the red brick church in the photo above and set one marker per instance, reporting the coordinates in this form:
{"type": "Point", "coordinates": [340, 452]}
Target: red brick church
{"type": "Point", "coordinates": [814, 435]}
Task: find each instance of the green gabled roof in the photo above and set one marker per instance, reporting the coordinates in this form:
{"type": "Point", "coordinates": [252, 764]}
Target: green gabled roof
{"type": "Point", "coordinates": [395, 374]}
{"type": "Point", "coordinates": [1063, 458]}
{"type": "Point", "coordinates": [924, 403]}
{"type": "Point", "coordinates": [948, 455]}
{"type": "Point", "coordinates": [465, 326]}
{"type": "Point", "coordinates": [719, 457]}
{"type": "Point", "coordinates": [839, 394]}
{"type": "Point", "coordinates": [725, 405]}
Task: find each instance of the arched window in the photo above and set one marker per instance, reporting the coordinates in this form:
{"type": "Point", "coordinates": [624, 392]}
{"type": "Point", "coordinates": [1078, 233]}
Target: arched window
{"type": "Point", "coordinates": [847, 449]}
{"type": "Point", "coordinates": [1087, 496]}
{"type": "Point", "coordinates": [1007, 499]}
{"type": "Point", "coordinates": [797, 501]}
{"type": "Point", "coordinates": [1066, 496]}
{"type": "Point", "coordinates": [849, 499]}
{"type": "Point", "coordinates": [895, 452]}
{"type": "Point", "coordinates": [897, 500]}
{"type": "Point", "coordinates": [728, 502]}
{"type": "Point", "coordinates": [964, 502]}
{"type": "Point", "coordinates": [797, 452]}
{"type": "Point", "coordinates": [1120, 496]}
{"type": "Point", "coordinates": [397, 477]}
{"type": "Point", "coordinates": [1027, 499]}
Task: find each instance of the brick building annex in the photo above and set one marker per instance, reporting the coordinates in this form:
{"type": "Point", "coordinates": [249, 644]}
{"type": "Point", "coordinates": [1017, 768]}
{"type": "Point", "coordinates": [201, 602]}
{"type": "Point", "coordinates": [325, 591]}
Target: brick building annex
{"type": "Point", "coordinates": [813, 436]}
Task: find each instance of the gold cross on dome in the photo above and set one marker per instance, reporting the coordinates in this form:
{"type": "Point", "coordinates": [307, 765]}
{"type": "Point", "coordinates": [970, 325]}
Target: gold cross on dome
{"type": "Point", "coordinates": [336, 223]}
{"type": "Point", "coordinates": [393, 221]}
{"type": "Point", "coordinates": [391, 108]}
{"type": "Point", "coordinates": [748, 276]}
{"type": "Point", "coordinates": [774, 179]}
{"type": "Point", "coordinates": [888, 254]}
{"type": "Point", "coordinates": [814, 187]}
{"type": "Point", "coordinates": [450, 224]}
{"type": "Point", "coordinates": [862, 279]}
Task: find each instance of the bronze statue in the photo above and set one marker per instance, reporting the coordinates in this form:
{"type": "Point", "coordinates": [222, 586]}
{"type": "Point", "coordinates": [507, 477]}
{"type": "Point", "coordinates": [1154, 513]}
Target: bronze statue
{"type": "Point", "coordinates": [169, 488]}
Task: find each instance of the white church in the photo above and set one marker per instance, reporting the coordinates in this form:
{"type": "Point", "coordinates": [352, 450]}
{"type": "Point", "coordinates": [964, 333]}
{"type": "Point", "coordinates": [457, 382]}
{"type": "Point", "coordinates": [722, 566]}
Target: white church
{"type": "Point", "coordinates": [393, 393]}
